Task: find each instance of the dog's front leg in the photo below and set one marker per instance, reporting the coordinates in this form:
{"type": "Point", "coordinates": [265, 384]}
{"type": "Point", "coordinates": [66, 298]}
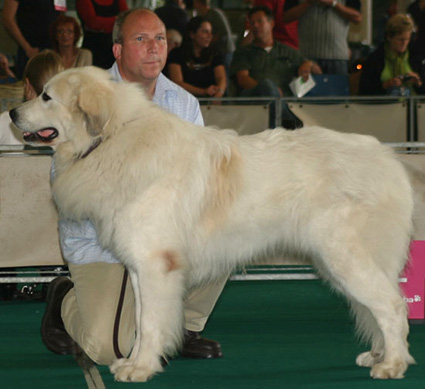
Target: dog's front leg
{"type": "Point", "coordinates": [158, 290]}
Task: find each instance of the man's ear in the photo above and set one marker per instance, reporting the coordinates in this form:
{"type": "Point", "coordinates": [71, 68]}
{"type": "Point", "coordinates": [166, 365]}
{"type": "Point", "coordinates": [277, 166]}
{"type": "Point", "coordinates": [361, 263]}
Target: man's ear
{"type": "Point", "coordinates": [116, 50]}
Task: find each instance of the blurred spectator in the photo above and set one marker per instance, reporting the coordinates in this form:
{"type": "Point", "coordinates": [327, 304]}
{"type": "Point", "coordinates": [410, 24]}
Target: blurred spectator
{"type": "Point", "coordinates": [174, 40]}
{"type": "Point", "coordinates": [173, 15]}
{"type": "Point", "coordinates": [38, 71]}
{"type": "Point", "coordinates": [98, 18]}
{"type": "Point", "coordinates": [241, 23]}
{"type": "Point", "coordinates": [286, 33]}
{"type": "Point", "coordinates": [417, 48]}
{"type": "Point", "coordinates": [323, 30]}
{"type": "Point", "coordinates": [266, 67]}
{"type": "Point", "coordinates": [5, 71]}
{"type": "Point", "coordinates": [195, 66]}
{"type": "Point", "coordinates": [388, 69]}
{"type": "Point", "coordinates": [66, 32]}
{"type": "Point", "coordinates": [222, 33]}
{"type": "Point", "coordinates": [381, 12]}
{"type": "Point", "coordinates": [28, 23]}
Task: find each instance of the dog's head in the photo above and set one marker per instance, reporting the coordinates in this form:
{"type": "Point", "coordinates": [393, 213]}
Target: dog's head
{"type": "Point", "coordinates": [75, 106]}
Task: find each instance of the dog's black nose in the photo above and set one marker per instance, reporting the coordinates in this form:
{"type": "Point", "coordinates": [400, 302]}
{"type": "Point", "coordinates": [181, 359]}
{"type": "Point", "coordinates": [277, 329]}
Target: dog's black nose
{"type": "Point", "coordinates": [13, 114]}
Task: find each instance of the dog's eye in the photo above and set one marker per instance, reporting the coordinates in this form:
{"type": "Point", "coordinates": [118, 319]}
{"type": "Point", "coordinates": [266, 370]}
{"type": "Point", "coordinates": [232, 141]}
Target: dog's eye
{"type": "Point", "coordinates": [45, 97]}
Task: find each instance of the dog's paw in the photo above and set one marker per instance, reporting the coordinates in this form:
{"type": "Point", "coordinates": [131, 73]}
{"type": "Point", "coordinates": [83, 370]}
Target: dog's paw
{"type": "Point", "coordinates": [113, 368]}
{"type": "Point", "coordinates": [368, 359]}
{"type": "Point", "coordinates": [126, 370]}
{"type": "Point", "coordinates": [133, 373]}
{"type": "Point", "coordinates": [385, 370]}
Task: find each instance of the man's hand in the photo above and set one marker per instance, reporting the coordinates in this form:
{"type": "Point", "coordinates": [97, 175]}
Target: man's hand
{"type": "Point", "coordinates": [4, 66]}
{"type": "Point", "coordinates": [307, 68]}
{"type": "Point", "coordinates": [31, 51]}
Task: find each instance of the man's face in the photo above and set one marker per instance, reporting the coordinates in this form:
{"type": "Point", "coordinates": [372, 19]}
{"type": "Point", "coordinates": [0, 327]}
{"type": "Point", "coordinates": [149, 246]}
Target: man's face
{"type": "Point", "coordinates": [261, 27]}
{"type": "Point", "coordinates": [143, 52]}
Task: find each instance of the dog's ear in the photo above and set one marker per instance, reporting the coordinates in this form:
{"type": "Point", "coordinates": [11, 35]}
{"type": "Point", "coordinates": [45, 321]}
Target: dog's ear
{"type": "Point", "coordinates": [94, 101]}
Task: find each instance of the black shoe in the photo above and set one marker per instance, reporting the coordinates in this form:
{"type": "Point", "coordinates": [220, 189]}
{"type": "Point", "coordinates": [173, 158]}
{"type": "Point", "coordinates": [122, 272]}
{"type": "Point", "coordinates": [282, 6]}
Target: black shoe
{"type": "Point", "coordinates": [53, 333]}
{"type": "Point", "coordinates": [292, 123]}
{"type": "Point", "coordinates": [194, 346]}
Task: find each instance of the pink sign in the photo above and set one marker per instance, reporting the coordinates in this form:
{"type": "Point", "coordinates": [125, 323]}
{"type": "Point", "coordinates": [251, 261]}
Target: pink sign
{"type": "Point", "coordinates": [412, 280]}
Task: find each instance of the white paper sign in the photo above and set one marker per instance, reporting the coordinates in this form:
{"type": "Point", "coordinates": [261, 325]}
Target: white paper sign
{"type": "Point", "coordinates": [299, 87]}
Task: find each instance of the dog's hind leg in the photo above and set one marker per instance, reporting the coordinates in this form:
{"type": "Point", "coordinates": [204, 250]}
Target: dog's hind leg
{"type": "Point", "coordinates": [159, 288]}
{"type": "Point", "coordinates": [368, 276]}
{"type": "Point", "coordinates": [369, 332]}
{"type": "Point", "coordinates": [351, 267]}
{"type": "Point", "coordinates": [390, 359]}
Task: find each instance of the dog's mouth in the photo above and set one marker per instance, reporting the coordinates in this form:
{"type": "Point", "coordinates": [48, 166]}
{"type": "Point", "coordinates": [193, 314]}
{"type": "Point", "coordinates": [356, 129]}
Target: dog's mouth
{"type": "Point", "coordinates": [45, 135]}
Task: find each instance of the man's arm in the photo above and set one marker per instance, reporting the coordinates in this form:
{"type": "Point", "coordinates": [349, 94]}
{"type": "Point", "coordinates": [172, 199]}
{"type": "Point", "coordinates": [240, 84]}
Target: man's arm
{"type": "Point", "coordinates": [347, 11]}
{"type": "Point", "coordinates": [294, 10]}
{"type": "Point", "coordinates": [4, 66]}
{"type": "Point", "coordinates": [220, 80]}
{"type": "Point", "coordinates": [244, 80]}
{"type": "Point", "coordinates": [9, 12]}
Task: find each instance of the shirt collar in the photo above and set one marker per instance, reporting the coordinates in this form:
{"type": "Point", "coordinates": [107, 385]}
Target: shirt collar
{"type": "Point", "coordinates": [114, 72]}
{"type": "Point", "coordinates": [164, 89]}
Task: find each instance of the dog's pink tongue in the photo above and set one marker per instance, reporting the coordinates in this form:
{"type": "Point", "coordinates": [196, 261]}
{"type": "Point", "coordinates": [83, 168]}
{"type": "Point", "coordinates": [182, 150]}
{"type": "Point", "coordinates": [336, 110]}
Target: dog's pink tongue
{"type": "Point", "coordinates": [45, 133]}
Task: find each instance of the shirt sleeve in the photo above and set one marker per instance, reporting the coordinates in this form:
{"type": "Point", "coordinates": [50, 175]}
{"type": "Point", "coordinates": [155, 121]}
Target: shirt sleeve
{"type": "Point", "coordinates": [296, 57]}
{"type": "Point", "coordinates": [84, 58]}
{"type": "Point", "coordinates": [174, 56]}
{"type": "Point", "coordinates": [217, 60]}
{"type": "Point", "coordinates": [78, 240]}
{"type": "Point", "coordinates": [240, 61]}
{"type": "Point", "coordinates": [79, 243]}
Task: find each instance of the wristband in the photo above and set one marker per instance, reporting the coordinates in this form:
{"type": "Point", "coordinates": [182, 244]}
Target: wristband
{"type": "Point", "coordinates": [334, 3]}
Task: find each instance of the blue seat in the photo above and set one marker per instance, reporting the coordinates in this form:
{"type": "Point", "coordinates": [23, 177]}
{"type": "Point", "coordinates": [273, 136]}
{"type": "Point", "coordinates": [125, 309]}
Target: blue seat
{"type": "Point", "coordinates": [8, 80]}
{"type": "Point", "coordinates": [329, 85]}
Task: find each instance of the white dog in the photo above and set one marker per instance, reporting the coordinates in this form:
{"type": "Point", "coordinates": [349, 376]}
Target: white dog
{"type": "Point", "coordinates": [181, 205]}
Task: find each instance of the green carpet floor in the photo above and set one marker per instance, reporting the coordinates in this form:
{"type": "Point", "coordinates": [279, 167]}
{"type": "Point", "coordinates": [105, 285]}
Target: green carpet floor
{"type": "Point", "coordinates": [274, 334]}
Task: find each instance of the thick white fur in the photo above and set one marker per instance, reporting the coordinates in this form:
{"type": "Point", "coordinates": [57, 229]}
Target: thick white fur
{"type": "Point", "coordinates": [180, 205]}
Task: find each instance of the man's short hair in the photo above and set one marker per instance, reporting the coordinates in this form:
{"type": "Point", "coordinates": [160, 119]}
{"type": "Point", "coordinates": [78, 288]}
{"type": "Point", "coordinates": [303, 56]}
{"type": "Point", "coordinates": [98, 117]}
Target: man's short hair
{"type": "Point", "coordinates": [119, 21]}
{"type": "Point", "coordinates": [261, 8]}
{"type": "Point", "coordinates": [121, 18]}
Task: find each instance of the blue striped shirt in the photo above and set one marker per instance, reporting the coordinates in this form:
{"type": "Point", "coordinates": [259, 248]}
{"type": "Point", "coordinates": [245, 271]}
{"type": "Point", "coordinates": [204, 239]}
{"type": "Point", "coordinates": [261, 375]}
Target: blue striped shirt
{"type": "Point", "coordinates": [79, 241]}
